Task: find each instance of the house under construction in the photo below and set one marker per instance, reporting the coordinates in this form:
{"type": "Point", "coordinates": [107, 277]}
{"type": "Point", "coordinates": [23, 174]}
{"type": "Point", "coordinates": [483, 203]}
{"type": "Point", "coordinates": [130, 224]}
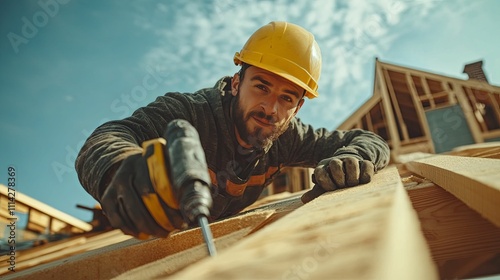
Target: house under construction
{"type": "Point", "coordinates": [418, 111]}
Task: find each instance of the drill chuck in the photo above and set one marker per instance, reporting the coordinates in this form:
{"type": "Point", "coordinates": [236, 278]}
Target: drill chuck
{"type": "Point", "coordinates": [195, 200]}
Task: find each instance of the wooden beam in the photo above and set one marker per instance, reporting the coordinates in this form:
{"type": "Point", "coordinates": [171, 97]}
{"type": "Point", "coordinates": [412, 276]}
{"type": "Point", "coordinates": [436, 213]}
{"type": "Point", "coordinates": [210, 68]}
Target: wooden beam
{"type": "Point", "coordinates": [48, 248]}
{"type": "Point", "coordinates": [72, 247]}
{"type": "Point", "coordinates": [495, 104]}
{"type": "Point", "coordinates": [491, 134]}
{"type": "Point", "coordinates": [395, 105]}
{"type": "Point", "coordinates": [362, 111]}
{"type": "Point", "coordinates": [484, 266]}
{"type": "Point", "coordinates": [427, 91]}
{"type": "Point", "coordinates": [386, 106]}
{"type": "Point", "coordinates": [469, 114]}
{"type": "Point", "coordinates": [483, 150]}
{"type": "Point", "coordinates": [475, 181]}
{"type": "Point", "coordinates": [369, 122]}
{"type": "Point", "coordinates": [454, 81]}
{"type": "Point", "coordinates": [420, 112]}
{"type": "Point", "coordinates": [364, 232]}
{"type": "Point", "coordinates": [454, 231]}
{"type": "Point", "coordinates": [110, 261]}
{"type": "Point", "coordinates": [23, 200]}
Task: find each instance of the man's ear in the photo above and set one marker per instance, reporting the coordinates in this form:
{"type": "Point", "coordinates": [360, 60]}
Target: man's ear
{"type": "Point", "coordinates": [235, 82]}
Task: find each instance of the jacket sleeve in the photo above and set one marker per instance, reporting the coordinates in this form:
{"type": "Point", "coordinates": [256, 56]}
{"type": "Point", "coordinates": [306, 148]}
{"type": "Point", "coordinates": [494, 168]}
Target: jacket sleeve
{"type": "Point", "coordinates": [308, 147]}
{"type": "Point", "coordinates": [114, 141]}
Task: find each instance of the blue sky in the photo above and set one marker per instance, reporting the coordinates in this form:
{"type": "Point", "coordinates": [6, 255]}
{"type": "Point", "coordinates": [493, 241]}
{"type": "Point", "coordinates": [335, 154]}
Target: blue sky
{"type": "Point", "coordinates": [68, 66]}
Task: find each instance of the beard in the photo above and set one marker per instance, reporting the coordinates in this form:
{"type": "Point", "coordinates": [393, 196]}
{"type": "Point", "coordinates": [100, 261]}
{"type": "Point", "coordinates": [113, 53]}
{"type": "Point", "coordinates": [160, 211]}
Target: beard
{"type": "Point", "coordinates": [257, 137]}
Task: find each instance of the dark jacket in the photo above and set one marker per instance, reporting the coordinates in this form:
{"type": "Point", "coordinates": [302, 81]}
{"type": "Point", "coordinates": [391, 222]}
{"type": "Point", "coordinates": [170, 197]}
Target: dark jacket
{"type": "Point", "coordinates": [239, 175]}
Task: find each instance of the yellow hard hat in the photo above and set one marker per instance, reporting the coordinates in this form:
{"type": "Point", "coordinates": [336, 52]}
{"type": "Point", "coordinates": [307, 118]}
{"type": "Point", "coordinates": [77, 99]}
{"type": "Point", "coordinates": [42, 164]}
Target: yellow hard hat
{"type": "Point", "coordinates": [287, 50]}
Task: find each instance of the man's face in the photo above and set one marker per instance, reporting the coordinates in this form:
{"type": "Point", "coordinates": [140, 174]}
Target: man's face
{"type": "Point", "coordinates": [264, 106]}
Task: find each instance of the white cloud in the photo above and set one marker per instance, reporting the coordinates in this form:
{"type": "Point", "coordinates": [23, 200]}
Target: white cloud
{"type": "Point", "coordinates": [162, 7]}
{"type": "Point", "coordinates": [69, 98]}
{"type": "Point", "coordinates": [200, 39]}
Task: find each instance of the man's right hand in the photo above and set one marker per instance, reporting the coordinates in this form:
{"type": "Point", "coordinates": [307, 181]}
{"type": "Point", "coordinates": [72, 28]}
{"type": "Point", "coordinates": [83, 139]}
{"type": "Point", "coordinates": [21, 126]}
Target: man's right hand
{"type": "Point", "coordinates": [131, 203]}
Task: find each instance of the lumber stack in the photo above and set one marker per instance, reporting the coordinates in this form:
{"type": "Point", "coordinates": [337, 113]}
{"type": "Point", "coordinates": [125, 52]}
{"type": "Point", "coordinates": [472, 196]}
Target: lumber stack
{"type": "Point", "coordinates": [460, 211]}
{"type": "Point", "coordinates": [475, 181]}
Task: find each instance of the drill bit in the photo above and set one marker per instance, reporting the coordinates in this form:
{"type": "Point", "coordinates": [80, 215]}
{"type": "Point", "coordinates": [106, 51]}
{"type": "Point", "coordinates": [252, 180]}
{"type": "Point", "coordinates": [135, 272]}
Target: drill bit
{"type": "Point", "coordinates": [207, 235]}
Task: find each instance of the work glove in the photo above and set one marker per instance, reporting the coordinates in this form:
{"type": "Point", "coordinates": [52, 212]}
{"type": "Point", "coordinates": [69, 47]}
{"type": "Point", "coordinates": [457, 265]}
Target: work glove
{"type": "Point", "coordinates": [338, 173]}
{"type": "Point", "coordinates": [132, 203]}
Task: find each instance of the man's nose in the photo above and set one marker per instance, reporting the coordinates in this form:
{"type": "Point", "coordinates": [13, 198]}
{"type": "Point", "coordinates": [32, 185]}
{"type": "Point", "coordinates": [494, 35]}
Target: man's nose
{"type": "Point", "coordinates": [270, 105]}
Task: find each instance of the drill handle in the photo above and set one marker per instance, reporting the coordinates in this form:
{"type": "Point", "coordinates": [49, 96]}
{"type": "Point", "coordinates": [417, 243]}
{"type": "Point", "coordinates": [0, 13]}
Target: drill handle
{"type": "Point", "coordinates": [188, 169]}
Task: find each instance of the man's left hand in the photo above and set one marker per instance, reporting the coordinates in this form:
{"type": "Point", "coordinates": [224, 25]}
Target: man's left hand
{"type": "Point", "coordinates": [337, 173]}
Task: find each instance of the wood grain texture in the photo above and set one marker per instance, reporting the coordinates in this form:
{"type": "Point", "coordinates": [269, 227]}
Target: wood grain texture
{"type": "Point", "coordinates": [475, 181]}
{"type": "Point", "coordinates": [365, 232]}
{"type": "Point", "coordinates": [173, 263]}
{"type": "Point", "coordinates": [459, 238]}
{"type": "Point", "coordinates": [110, 261]}
{"type": "Point", "coordinates": [45, 254]}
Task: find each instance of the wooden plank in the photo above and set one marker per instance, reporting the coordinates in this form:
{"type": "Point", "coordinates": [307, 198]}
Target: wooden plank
{"type": "Point", "coordinates": [57, 225]}
{"type": "Point", "coordinates": [483, 150]}
{"type": "Point", "coordinates": [39, 218]}
{"type": "Point", "coordinates": [454, 231]}
{"type": "Point", "coordinates": [473, 267]}
{"type": "Point", "coordinates": [365, 232]}
{"type": "Point", "coordinates": [48, 248]}
{"type": "Point", "coordinates": [173, 263]}
{"type": "Point", "coordinates": [110, 261]}
{"type": "Point", "coordinates": [475, 181]}
{"type": "Point", "coordinates": [72, 247]}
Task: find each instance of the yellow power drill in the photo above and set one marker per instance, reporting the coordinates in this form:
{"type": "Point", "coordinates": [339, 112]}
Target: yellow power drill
{"type": "Point", "coordinates": [180, 177]}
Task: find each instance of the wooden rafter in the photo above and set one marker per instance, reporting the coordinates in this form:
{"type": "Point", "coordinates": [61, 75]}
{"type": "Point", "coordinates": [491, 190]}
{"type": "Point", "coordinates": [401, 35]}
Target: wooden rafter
{"type": "Point", "coordinates": [422, 120]}
{"type": "Point", "coordinates": [395, 106]}
{"type": "Point", "coordinates": [41, 215]}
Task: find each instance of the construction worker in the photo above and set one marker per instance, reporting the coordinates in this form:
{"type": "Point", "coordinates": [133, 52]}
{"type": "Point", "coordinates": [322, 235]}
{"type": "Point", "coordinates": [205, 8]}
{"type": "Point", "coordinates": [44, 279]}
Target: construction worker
{"type": "Point", "coordinates": [248, 131]}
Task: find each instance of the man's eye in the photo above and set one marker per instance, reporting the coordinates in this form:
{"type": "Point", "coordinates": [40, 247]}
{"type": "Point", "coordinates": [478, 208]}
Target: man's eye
{"type": "Point", "coordinates": [287, 98]}
{"type": "Point", "coordinates": [262, 87]}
